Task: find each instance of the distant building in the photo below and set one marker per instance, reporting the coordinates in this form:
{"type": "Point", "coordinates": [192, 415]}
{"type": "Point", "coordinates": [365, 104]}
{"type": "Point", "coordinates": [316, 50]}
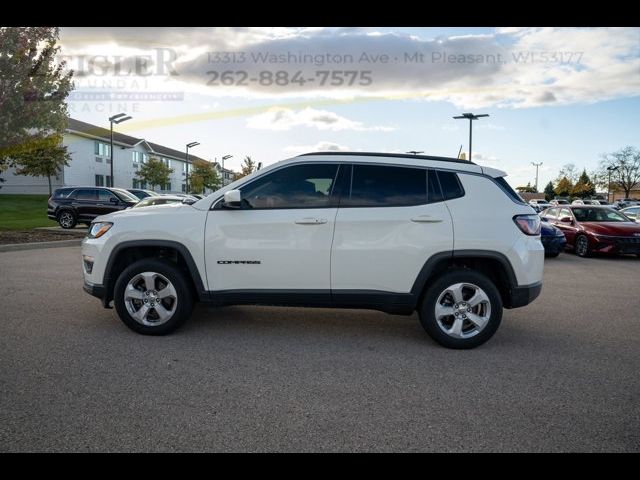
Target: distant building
{"type": "Point", "coordinates": [90, 163]}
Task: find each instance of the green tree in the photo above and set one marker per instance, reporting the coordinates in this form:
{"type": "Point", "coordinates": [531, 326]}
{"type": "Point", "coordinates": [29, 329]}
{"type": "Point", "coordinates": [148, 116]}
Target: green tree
{"type": "Point", "coordinates": [33, 89]}
{"type": "Point", "coordinates": [248, 166]}
{"type": "Point", "coordinates": [549, 192]}
{"type": "Point", "coordinates": [564, 187]}
{"type": "Point", "coordinates": [154, 172]}
{"type": "Point", "coordinates": [584, 187]}
{"type": "Point", "coordinates": [627, 175]}
{"type": "Point", "coordinates": [42, 158]}
{"type": "Point", "coordinates": [527, 189]}
{"type": "Point", "coordinates": [203, 175]}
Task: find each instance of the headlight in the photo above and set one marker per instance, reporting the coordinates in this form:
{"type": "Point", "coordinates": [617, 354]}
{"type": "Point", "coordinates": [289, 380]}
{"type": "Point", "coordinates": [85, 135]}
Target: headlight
{"type": "Point", "coordinates": [98, 229]}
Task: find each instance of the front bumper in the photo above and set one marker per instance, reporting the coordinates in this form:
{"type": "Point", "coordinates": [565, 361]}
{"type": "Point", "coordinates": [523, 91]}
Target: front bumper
{"type": "Point", "coordinates": [613, 245]}
{"type": "Point", "coordinates": [521, 296]}
{"type": "Point", "coordinates": [95, 290]}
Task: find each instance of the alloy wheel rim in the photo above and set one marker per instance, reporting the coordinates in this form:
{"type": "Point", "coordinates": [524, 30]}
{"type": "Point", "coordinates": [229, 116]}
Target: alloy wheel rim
{"type": "Point", "coordinates": [66, 219]}
{"type": "Point", "coordinates": [582, 246]}
{"type": "Point", "coordinates": [462, 310]}
{"type": "Point", "coordinates": [150, 298]}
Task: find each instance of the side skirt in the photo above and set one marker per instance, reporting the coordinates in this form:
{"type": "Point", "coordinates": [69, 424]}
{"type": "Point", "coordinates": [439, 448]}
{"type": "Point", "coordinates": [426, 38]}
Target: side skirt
{"type": "Point", "coordinates": [389, 302]}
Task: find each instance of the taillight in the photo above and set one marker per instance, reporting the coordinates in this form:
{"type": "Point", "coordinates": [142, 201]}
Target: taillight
{"type": "Point", "coordinates": [528, 224]}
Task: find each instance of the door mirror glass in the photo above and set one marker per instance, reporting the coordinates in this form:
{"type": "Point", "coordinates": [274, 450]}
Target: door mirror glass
{"type": "Point", "coordinates": [566, 220]}
{"type": "Point", "coordinates": [232, 199]}
{"type": "Point", "coordinates": [113, 199]}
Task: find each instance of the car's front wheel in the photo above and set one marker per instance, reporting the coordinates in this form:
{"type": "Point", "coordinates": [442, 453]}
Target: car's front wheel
{"type": "Point", "coordinates": [582, 246]}
{"type": "Point", "coordinates": [152, 297]}
{"type": "Point", "coordinates": [461, 309]}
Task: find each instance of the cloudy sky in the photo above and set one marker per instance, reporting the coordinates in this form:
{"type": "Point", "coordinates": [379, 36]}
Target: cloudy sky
{"type": "Point", "coordinates": [554, 95]}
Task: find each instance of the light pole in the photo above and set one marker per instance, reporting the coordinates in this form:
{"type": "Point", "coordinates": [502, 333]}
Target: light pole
{"type": "Point", "coordinates": [118, 118]}
{"type": "Point", "coordinates": [226, 157]}
{"type": "Point", "coordinates": [471, 117]}
{"type": "Point", "coordinates": [610, 169]}
{"type": "Point", "coordinates": [186, 161]}
{"type": "Point", "coordinates": [536, 165]}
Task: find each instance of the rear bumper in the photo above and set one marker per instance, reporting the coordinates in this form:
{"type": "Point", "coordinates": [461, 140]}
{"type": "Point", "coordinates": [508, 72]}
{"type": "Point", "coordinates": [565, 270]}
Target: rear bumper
{"type": "Point", "coordinates": [524, 295]}
{"type": "Point", "coordinates": [553, 244]}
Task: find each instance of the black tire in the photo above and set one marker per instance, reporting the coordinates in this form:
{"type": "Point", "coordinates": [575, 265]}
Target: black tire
{"type": "Point", "coordinates": [67, 219]}
{"type": "Point", "coordinates": [552, 254]}
{"type": "Point", "coordinates": [427, 314]}
{"type": "Point", "coordinates": [180, 283]}
{"type": "Point", "coordinates": [579, 249]}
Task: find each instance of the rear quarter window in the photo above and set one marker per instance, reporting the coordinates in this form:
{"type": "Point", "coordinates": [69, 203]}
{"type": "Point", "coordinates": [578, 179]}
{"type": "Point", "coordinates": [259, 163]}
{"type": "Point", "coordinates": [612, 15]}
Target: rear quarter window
{"type": "Point", "coordinates": [450, 185]}
{"type": "Point", "coordinates": [506, 188]}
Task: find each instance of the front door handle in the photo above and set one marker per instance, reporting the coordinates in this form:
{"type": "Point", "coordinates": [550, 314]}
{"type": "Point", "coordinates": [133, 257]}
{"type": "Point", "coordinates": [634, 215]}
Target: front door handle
{"type": "Point", "coordinates": [426, 219]}
{"type": "Point", "coordinates": [311, 221]}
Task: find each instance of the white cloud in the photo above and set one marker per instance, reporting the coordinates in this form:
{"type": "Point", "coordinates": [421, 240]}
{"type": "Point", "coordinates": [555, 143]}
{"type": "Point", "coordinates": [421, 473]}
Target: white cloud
{"type": "Point", "coordinates": [318, 147]}
{"type": "Point", "coordinates": [513, 67]}
{"type": "Point", "coordinates": [279, 118]}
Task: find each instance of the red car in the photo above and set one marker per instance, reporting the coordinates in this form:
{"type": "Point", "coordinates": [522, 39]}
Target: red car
{"type": "Point", "coordinates": [595, 229]}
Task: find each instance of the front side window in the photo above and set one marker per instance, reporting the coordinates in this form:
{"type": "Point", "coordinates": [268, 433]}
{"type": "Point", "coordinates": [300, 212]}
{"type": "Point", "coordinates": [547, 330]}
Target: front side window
{"type": "Point", "coordinates": [386, 186]}
{"type": "Point", "coordinates": [564, 213]}
{"type": "Point", "coordinates": [298, 186]}
{"type": "Point", "coordinates": [105, 195]}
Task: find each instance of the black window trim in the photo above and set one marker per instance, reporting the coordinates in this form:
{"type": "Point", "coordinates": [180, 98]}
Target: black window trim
{"type": "Point", "coordinates": [215, 205]}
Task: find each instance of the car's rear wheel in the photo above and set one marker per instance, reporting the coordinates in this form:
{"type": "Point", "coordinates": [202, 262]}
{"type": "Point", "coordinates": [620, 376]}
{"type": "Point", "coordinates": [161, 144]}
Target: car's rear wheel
{"type": "Point", "coordinates": [67, 219]}
{"type": "Point", "coordinates": [461, 309]}
{"type": "Point", "coordinates": [152, 297]}
{"type": "Point", "coordinates": [552, 254]}
{"type": "Point", "coordinates": [581, 247]}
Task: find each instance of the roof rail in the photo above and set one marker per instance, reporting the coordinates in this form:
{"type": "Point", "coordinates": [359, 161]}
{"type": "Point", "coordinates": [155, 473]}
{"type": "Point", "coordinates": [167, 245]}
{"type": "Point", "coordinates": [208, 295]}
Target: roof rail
{"type": "Point", "coordinates": [393, 155]}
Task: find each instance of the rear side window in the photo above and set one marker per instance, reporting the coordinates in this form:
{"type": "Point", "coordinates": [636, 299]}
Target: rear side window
{"type": "Point", "coordinates": [86, 194]}
{"type": "Point", "coordinates": [62, 192]}
{"type": "Point", "coordinates": [450, 185]}
{"type": "Point", "coordinates": [506, 188]}
{"type": "Point", "coordinates": [385, 186]}
{"type": "Point", "coordinates": [434, 193]}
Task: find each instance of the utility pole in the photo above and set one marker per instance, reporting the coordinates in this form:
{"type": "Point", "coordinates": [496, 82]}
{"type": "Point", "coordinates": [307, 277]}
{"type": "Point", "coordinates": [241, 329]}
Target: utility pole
{"type": "Point", "coordinates": [186, 160]}
{"type": "Point", "coordinates": [536, 165]}
{"type": "Point", "coordinates": [610, 169]}
{"type": "Point", "coordinates": [118, 118]}
{"type": "Point", "coordinates": [471, 117]}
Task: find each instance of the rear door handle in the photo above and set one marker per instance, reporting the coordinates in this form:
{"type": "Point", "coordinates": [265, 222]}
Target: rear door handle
{"type": "Point", "coordinates": [426, 219]}
{"type": "Point", "coordinates": [311, 221]}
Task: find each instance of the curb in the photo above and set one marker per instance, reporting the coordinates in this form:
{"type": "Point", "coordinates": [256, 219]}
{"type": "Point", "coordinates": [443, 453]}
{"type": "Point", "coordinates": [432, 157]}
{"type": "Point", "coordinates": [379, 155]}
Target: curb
{"type": "Point", "coordinates": [13, 247]}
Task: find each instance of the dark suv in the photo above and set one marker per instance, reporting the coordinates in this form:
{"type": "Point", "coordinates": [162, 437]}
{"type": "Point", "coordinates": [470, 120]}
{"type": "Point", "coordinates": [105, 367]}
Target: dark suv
{"type": "Point", "coordinates": [71, 205]}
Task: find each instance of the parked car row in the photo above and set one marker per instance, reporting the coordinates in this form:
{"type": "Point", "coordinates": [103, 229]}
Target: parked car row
{"type": "Point", "coordinates": [590, 229]}
{"type": "Point", "coordinates": [72, 205]}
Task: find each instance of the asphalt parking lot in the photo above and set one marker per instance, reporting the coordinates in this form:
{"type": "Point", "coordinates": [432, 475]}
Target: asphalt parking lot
{"type": "Point", "coordinates": [560, 374]}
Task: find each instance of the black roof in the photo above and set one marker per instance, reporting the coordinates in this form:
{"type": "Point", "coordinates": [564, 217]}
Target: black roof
{"type": "Point", "coordinates": [95, 131]}
{"type": "Point", "coordinates": [394, 155]}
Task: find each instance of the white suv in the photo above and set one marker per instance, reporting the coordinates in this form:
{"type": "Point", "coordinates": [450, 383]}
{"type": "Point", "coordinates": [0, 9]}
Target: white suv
{"type": "Point", "coordinates": [396, 233]}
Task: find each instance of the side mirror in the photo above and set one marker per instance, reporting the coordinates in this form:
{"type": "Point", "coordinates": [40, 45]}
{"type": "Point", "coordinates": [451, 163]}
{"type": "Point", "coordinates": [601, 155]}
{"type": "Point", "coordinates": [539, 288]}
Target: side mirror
{"type": "Point", "coordinates": [232, 199]}
{"type": "Point", "coordinates": [566, 220]}
{"type": "Point", "coordinates": [114, 200]}
{"type": "Point", "coordinates": [188, 201]}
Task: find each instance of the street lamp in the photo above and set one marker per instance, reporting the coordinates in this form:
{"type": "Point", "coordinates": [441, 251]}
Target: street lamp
{"type": "Point", "coordinates": [118, 118]}
{"type": "Point", "coordinates": [471, 117]}
{"type": "Point", "coordinates": [226, 157]}
{"type": "Point", "coordinates": [536, 165]}
{"type": "Point", "coordinates": [610, 169]}
{"type": "Point", "coordinates": [186, 161]}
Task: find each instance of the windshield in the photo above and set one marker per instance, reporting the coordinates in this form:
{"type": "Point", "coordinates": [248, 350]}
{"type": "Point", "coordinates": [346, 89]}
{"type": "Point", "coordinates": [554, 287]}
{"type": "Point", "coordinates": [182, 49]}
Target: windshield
{"type": "Point", "coordinates": [598, 215]}
{"type": "Point", "coordinates": [124, 195]}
